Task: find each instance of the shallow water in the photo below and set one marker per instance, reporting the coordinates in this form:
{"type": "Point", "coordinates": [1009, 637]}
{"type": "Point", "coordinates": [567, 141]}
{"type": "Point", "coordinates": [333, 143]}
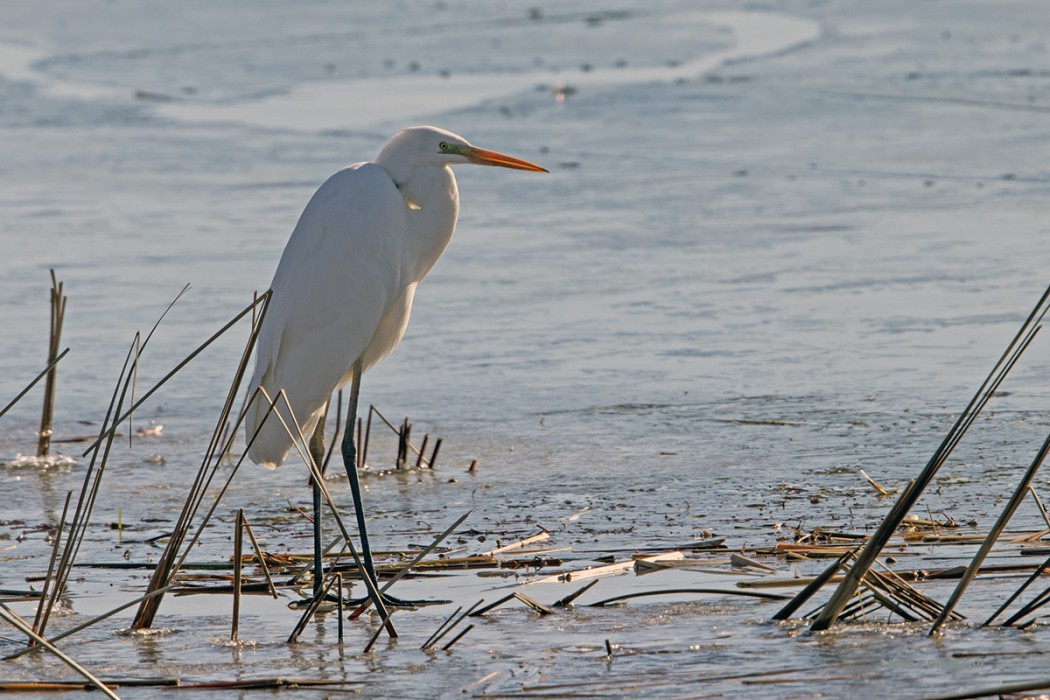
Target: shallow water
{"type": "Point", "coordinates": [775, 247]}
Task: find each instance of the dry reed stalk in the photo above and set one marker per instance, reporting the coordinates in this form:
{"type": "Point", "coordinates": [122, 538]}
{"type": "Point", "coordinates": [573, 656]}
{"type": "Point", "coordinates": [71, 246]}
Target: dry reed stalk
{"type": "Point", "coordinates": [458, 637]}
{"type": "Point", "coordinates": [914, 598]}
{"type": "Point", "coordinates": [401, 432]}
{"type": "Point", "coordinates": [881, 491]}
{"type": "Point", "coordinates": [1009, 601]}
{"type": "Point", "coordinates": [567, 600]}
{"type": "Point", "coordinates": [532, 539]}
{"type": "Point", "coordinates": [493, 606]}
{"type": "Point", "coordinates": [1040, 506]}
{"type": "Point", "coordinates": [1000, 691]}
{"type": "Point", "coordinates": [339, 603]}
{"type": "Point", "coordinates": [266, 684]}
{"type": "Point", "coordinates": [445, 628]}
{"type": "Point", "coordinates": [166, 566]}
{"type": "Point", "coordinates": [21, 625]}
{"type": "Point", "coordinates": [186, 360]}
{"type": "Point", "coordinates": [993, 534]}
{"type": "Point", "coordinates": [422, 449]}
{"type": "Point", "coordinates": [238, 541]}
{"type": "Point", "coordinates": [91, 622]}
{"type": "Point", "coordinates": [404, 439]}
{"type": "Point", "coordinates": [319, 597]}
{"type": "Point", "coordinates": [434, 455]}
{"type": "Point", "coordinates": [679, 591]}
{"type": "Point", "coordinates": [88, 492]}
{"type": "Point", "coordinates": [440, 628]}
{"type": "Point", "coordinates": [815, 585]}
{"type": "Point", "coordinates": [51, 564]}
{"type": "Point", "coordinates": [910, 496]}
{"type": "Point", "coordinates": [58, 312]}
{"type": "Point", "coordinates": [739, 561]}
{"type": "Point", "coordinates": [259, 556]}
{"type": "Point", "coordinates": [412, 564]}
{"type": "Point", "coordinates": [43, 373]}
{"type": "Point", "coordinates": [534, 605]}
{"type": "Point", "coordinates": [479, 682]}
{"type": "Point", "coordinates": [606, 570]}
{"type": "Point", "coordinates": [375, 638]}
{"type": "Point", "coordinates": [814, 550]}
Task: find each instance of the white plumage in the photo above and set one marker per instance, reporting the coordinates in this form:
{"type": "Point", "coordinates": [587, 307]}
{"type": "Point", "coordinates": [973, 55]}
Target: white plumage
{"type": "Point", "coordinates": [344, 286]}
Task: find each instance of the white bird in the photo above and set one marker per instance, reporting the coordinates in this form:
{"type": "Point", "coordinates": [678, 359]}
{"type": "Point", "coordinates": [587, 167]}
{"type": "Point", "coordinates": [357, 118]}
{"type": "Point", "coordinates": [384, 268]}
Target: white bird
{"type": "Point", "coordinates": [343, 290]}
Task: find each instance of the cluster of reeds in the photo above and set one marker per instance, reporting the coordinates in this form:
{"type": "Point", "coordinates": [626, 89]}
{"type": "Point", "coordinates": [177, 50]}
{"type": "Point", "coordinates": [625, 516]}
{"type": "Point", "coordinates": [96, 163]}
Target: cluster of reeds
{"type": "Point", "coordinates": [856, 563]}
{"type": "Point", "coordinates": [69, 534]}
{"type": "Point", "coordinates": [863, 583]}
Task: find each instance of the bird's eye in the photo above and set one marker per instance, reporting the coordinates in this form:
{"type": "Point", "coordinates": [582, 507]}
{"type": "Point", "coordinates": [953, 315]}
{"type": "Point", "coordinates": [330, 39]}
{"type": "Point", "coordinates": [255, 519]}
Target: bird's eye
{"type": "Point", "coordinates": [443, 145]}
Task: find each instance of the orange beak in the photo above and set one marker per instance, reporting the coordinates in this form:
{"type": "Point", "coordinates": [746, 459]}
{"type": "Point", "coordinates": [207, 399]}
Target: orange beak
{"type": "Point", "coordinates": [481, 156]}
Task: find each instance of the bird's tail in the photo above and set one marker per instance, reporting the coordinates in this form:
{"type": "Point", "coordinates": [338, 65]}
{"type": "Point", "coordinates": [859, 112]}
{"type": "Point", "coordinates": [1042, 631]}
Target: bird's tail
{"type": "Point", "coordinates": [268, 432]}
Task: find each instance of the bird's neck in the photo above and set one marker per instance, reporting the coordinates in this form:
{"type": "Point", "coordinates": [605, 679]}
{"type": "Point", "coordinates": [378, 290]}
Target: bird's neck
{"type": "Point", "coordinates": [432, 199]}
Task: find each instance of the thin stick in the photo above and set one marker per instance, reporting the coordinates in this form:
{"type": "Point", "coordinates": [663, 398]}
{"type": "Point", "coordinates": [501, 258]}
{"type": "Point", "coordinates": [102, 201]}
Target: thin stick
{"type": "Point", "coordinates": [238, 540]}
{"type": "Point", "coordinates": [422, 449]}
{"type": "Point", "coordinates": [993, 534]}
{"type": "Point", "coordinates": [715, 591]}
{"type": "Point", "coordinates": [1040, 506]}
{"type": "Point", "coordinates": [206, 472]}
{"type": "Point", "coordinates": [812, 587]}
{"type": "Point", "coordinates": [1029, 607]}
{"type": "Point", "coordinates": [86, 501]}
{"type": "Point", "coordinates": [492, 606]}
{"type": "Point", "coordinates": [1028, 582]}
{"type": "Point", "coordinates": [419, 557]}
{"type": "Point", "coordinates": [93, 621]}
{"type": "Point", "coordinates": [437, 636]}
{"type": "Point", "coordinates": [315, 602]}
{"type": "Point", "coordinates": [335, 435]}
{"type": "Point", "coordinates": [185, 361]}
{"type": "Point", "coordinates": [51, 564]}
{"type": "Point", "coordinates": [374, 639]}
{"type": "Point", "coordinates": [260, 557]}
{"type": "Point", "coordinates": [440, 628]}
{"type": "Point", "coordinates": [24, 627]}
{"type": "Point", "coordinates": [458, 637]}
{"type": "Point", "coordinates": [434, 454]}
{"type": "Point", "coordinates": [339, 596]}
{"type": "Point", "coordinates": [567, 600]}
{"type": "Point", "coordinates": [43, 373]}
{"type": "Point", "coordinates": [394, 429]}
{"type": "Point", "coordinates": [368, 434]}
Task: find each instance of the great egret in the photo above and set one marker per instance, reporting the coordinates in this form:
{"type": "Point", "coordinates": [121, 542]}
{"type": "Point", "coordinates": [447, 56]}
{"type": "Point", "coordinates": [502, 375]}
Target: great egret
{"type": "Point", "coordinates": [343, 289]}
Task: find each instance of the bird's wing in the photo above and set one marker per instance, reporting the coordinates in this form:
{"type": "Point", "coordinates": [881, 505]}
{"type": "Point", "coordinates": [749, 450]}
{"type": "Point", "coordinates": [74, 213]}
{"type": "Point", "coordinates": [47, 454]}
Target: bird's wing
{"type": "Point", "coordinates": [339, 275]}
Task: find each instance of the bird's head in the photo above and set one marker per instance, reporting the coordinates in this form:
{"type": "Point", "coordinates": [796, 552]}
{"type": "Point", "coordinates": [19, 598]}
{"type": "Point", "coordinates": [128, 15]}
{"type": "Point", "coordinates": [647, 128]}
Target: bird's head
{"type": "Point", "coordinates": [428, 145]}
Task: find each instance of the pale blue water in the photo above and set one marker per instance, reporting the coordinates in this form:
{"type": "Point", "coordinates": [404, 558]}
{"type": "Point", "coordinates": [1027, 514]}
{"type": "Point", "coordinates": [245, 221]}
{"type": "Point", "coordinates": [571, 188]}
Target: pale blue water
{"type": "Point", "coordinates": [828, 216]}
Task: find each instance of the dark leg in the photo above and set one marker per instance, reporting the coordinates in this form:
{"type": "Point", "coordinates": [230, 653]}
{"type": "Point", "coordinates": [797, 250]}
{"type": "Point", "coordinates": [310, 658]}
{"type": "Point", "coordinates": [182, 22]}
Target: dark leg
{"type": "Point", "coordinates": [350, 463]}
{"type": "Point", "coordinates": [317, 454]}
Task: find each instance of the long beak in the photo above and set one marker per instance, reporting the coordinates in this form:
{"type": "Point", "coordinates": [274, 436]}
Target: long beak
{"type": "Point", "coordinates": [481, 156]}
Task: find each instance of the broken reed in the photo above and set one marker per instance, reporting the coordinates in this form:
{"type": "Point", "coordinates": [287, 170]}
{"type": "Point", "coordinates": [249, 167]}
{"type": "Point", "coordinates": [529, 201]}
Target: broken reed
{"type": "Point", "coordinates": [58, 312]}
